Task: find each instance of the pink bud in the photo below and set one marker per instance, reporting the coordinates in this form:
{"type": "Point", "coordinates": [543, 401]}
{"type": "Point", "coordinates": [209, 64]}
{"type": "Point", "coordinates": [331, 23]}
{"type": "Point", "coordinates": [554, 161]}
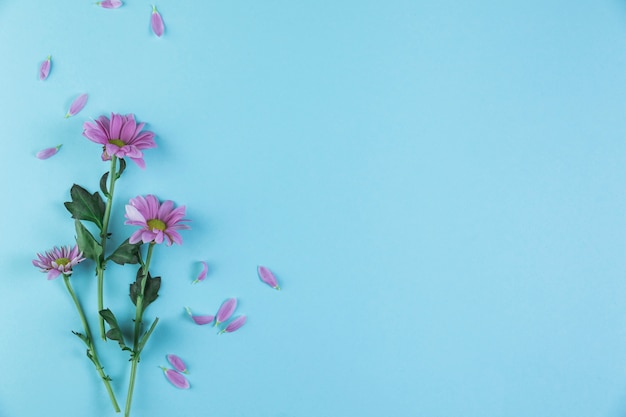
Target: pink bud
{"type": "Point", "coordinates": [48, 152]}
{"type": "Point", "coordinates": [226, 310]}
{"type": "Point", "coordinates": [234, 325]}
{"type": "Point", "coordinates": [158, 27]}
{"type": "Point", "coordinates": [202, 275]}
{"type": "Point", "coordinates": [267, 277]}
{"type": "Point", "coordinates": [77, 105]}
{"type": "Point", "coordinates": [176, 378]}
{"type": "Point", "coordinates": [44, 69]}
{"type": "Point", "coordinates": [177, 363]}
{"type": "Point", "coordinates": [200, 320]}
{"type": "Point", "coordinates": [110, 4]}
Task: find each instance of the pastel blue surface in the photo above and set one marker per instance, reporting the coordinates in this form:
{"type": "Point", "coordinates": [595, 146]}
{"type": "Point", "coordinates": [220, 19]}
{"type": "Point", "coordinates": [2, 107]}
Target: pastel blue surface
{"type": "Point", "coordinates": [438, 186]}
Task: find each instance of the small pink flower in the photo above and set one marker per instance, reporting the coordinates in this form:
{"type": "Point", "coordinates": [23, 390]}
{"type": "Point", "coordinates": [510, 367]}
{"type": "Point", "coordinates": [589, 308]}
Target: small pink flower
{"type": "Point", "coordinates": [158, 27]}
{"type": "Point", "coordinates": [200, 320]}
{"type": "Point", "coordinates": [48, 152]}
{"type": "Point", "coordinates": [159, 222]}
{"type": "Point", "coordinates": [234, 325]}
{"type": "Point", "coordinates": [226, 310]}
{"type": "Point", "coordinates": [121, 137]}
{"type": "Point", "coordinates": [77, 105]}
{"type": "Point", "coordinates": [268, 277]}
{"type": "Point", "coordinates": [44, 69]}
{"type": "Point", "coordinates": [59, 261]}
{"type": "Point", "coordinates": [176, 378]}
{"type": "Point", "coordinates": [202, 275]}
{"type": "Point", "coordinates": [110, 4]}
{"type": "Point", "coordinates": [177, 363]}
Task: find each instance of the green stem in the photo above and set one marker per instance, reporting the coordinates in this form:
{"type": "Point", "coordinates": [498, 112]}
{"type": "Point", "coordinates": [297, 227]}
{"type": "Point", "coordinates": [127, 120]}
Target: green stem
{"type": "Point", "coordinates": [91, 349]}
{"type": "Point", "coordinates": [103, 242]}
{"type": "Point", "coordinates": [137, 345]}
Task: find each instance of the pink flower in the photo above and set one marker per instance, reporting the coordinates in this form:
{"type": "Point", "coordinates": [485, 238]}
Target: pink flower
{"type": "Point", "coordinates": [44, 69]}
{"type": "Point", "coordinates": [59, 261]}
{"type": "Point", "coordinates": [48, 152]}
{"type": "Point", "coordinates": [159, 222]}
{"type": "Point", "coordinates": [158, 27]}
{"type": "Point", "coordinates": [121, 137]}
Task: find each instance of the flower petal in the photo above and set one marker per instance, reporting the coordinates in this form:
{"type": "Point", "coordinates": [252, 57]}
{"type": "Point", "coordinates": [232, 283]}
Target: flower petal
{"type": "Point", "coordinates": [176, 378]}
{"type": "Point", "coordinates": [199, 320]}
{"type": "Point", "coordinates": [77, 105]}
{"type": "Point", "coordinates": [234, 325]}
{"type": "Point", "coordinates": [267, 277]}
{"type": "Point", "coordinates": [226, 310]}
{"type": "Point", "coordinates": [202, 276]}
{"type": "Point", "coordinates": [158, 27]}
{"type": "Point", "coordinates": [44, 69]}
{"type": "Point", "coordinates": [110, 4]}
{"type": "Point", "coordinates": [177, 363]}
{"type": "Point", "coordinates": [48, 152]}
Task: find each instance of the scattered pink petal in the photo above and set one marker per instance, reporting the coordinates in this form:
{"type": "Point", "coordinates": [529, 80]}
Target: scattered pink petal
{"type": "Point", "coordinates": [110, 4]}
{"type": "Point", "coordinates": [268, 277]}
{"type": "Point", "coordinates": [158, 27]}
{"type": "Point", "coordinates": [77, 105]}
{"type": "Point", "coordinates": [202, 275]}
{"type": "Point", "coordinates": [48, 152]}
{"type": "Point", "coordinates": [226, 310]}
{"type": "Point", "coordinates": [176, 378]}
{"type": "Point", "coordinates": [200, 320]}
{"type": "Point", "coordinates": [177, 363]}
{"type": "Point", "coordinates": [44, 69]}
{"type": "Point", "coordinates": [234, 325]}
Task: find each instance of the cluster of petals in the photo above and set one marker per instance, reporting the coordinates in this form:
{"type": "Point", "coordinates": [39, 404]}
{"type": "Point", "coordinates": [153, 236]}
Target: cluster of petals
{"type": "Point", "coordinates": [159, 222]}
{"type": "Point", "coordinates": [59, 261]}
{"type": "Point", "coordinates": [120, 136]}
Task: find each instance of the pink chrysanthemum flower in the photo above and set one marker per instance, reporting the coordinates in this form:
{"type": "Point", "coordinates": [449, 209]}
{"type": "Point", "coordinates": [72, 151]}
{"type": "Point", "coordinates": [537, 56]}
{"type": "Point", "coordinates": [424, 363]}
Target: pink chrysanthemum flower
{"type": "Point", "coordinates": [159, 222]}
{"type": "Point", "coordinates": [59, 261]}
{"type": "Point", "coordinates": [121, 137]}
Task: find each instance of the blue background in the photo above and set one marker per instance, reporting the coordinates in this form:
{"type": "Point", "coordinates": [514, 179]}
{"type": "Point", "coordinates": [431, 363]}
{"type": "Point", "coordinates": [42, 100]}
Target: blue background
{"type": "Point", "coordinates": [438, 186]}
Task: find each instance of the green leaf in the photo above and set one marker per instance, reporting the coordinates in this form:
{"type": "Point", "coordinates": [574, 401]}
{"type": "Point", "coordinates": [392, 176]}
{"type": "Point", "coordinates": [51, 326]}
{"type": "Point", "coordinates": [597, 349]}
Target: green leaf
{"type": "Point", "coordinates": [81, 337]}
{"type": "Point", "coordinates": [151, 289]}
{"type": "Point", "coordinates": [122, 168]}
{"type": "Point", "coordinates": [126, 253]}
{"type": "Point", "coordinates": [103, 184]}
{"type": "Point", "coordinates": [114, 333]}
{"type": "Point", "coordinates": [146, 335]}
{"type": "Point", "coordinates": [87, 243]}
{"type": "Point", "coordinates": [85, 206]}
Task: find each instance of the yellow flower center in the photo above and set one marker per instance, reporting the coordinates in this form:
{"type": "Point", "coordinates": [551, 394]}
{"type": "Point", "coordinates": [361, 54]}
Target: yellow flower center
{"type": "Point", "coordinates": [156, 224]}
{"type": "Point", "coordinates": [62, 261]}
{"type": "Point", "coordinates": [117, 142]}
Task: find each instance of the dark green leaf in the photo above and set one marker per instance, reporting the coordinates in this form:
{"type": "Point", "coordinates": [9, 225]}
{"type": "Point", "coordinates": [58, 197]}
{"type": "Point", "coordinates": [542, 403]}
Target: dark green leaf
{"type": "Point", "coordinates": [146, 335]}
{"type": "Point", "coordinates": [81, 337]}
{"type": "Point", "coordinates": [86, 242]}
{"type": "Point", "coordinates": [114, 332]}
{"type": "Point", "coordinates": [85, 206]}
{"type": "Point", "coordinates": [122, 168]}
{"type": "Point", "coordinates": [126, 253]}
{"type": "Point", "coordinates": [151, 289]}
{"type": "Point", "coordinates": [103, 184]}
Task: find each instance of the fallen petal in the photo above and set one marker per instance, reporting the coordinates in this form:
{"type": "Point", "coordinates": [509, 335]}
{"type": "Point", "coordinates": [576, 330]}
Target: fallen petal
{"type": "Point", "coordinates": [202, 275]}
{"type": "Point", "coordinates": [176, 378]}
{"type": "Point", "coordinates": [234, 325]}
{"type": "Point", "coordinates": [77, 105]}
{"type": "Point", "coordinates": [44, 69]}
{"type": "Point", "coordinates": [200, 320]}
{"type": "Point", "coordinates": [226, 310]}
{"type": "Point", "coordinates": [48, 152]}
{"type": "Point", "coordinates": [158, 27]}
{"type": "Point", "coordinates": [177, 363]}
{"type": "Point", "coordinates": [110, 4]}
{"type": "Point", "coordinates": [268, 277]}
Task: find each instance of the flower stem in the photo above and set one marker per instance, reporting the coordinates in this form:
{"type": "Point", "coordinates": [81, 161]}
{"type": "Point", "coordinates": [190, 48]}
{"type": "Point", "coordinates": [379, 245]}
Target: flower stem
{"type": "Point", "coordinates": [103, 241]}
{"type": "Point", "coordinates": [91, 349]}
{"type": "Point", "coordinates": [137, 344]}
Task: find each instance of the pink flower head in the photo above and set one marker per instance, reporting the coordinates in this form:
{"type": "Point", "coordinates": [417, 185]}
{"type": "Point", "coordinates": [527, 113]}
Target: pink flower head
{"type": "Point", "coordinates": [59, 261]}
{"type": "Point", "coordinates": [159, 222]}
{"type": "Point", "coordinates": [121, 137]}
